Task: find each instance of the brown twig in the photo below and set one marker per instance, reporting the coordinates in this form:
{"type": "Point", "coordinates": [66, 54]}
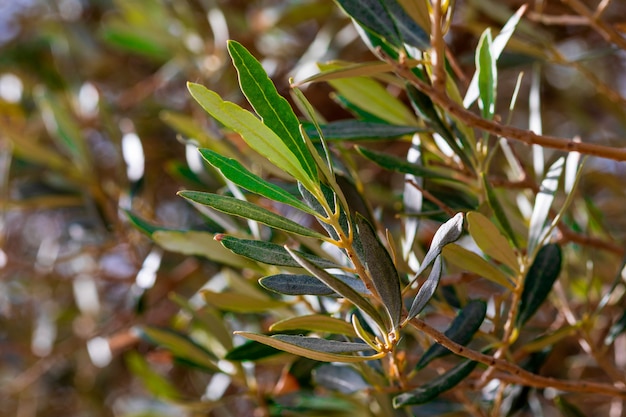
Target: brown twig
{"type": "Point", "coordinates": [434, 199]}
{"type": "Point", "coordinates": [509, 132]}
{"type": "Point", "coordinates": [604, 29]}
{"type": "Point", "coordinates": [518, 374]}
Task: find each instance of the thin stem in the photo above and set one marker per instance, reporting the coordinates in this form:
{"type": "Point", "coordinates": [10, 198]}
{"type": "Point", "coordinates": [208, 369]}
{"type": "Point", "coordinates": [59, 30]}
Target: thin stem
{"type": "Point", "coordinates": [438, 48]}
{"type": "Point", "coordinates": [521, 376]}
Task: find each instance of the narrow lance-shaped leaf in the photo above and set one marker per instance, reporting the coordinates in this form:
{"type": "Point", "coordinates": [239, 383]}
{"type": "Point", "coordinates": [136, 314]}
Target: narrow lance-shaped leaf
{"type": "Point", "coordinates": [394, 163]}
{"type": "Point", "coordinates": [268, 253]}
{"type": "Point", "coordinates": [241, 303]}
{"type": "Point", "coordinates": [342, 289]}
{"type": "Point", "coordinates": [426, 291]}
{"type": "Point", "coordinates": [472, 262]}
{"type": "Point", "coordinates": [274, 110]}
{"type": "Point", "coordinates": [539, 280]}
{"type": "Point", "coordinates": [498, 211]}
{"type": "Point", "coordinates": [461, 331]}
{"type": "Point", "coordinates": [360, 130]}
{"type": "Point", "coordinates": [298, 284]}
{"type": "Point", "coordinates": [543, 202]}
{"type": "Point", "coordinates": [382, 270]}
{"type": "Point", "coordinates": [412, 200]}
{"type": "Point", "coordinates": [487, 76]}
{"type": "Point", "coordinates": [448, 232]}
{"type": "Point", "coordinates": [315, 323]}
{"type": "Point", "coordinates": [496, 48]}
{"type": "Point", "coordinates": [314, 348]}
{"type": "Point", "coordinates": [258, 136]}
{"type": "Point", "coordinates": [437, 386]}
{"type": "Point", "coordinates": [249, 211]}
{"type": "Point", "coordinates": [237, 173]}
{"type": "Point", "coordinates": [490, 240]}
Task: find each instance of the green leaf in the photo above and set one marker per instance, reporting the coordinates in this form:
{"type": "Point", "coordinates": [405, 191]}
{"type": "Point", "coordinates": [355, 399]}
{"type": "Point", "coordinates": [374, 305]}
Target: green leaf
{"type": "Point", "coordinates": [342, 289]}
{"type": "Point", "coordinates": [487, 76]}
{"type": "Point", "coordinates": [344, 379]}
{"type": "Point", "coordinates": [393, 163]}
{"type": "Point", "coordinates": [543, 202]}
{"type": "Point", "coordinates": [437, 386]}
{"type": "Point", "coordinates": [197, 243]}
{"type": "Point", "coordinates": [359, 130]}
{"type": "Point", "coordinates": [237, 173]}
{"type": "Point", "coordinates": [472, 262]}
{"type": "Point", "coordinates": [240, 303]}
{"type": "Point", "coordinates": [539, 280]}
{"type": "Point", "coordinates": [381, 269]}
{"type": "Point", "coordinates": [372, 97]}
{"type": "Point", "coordinates": [313, 348]}
{"type": "Point", "coordinates": [297, 284]}
{"type": "Point", "coordinates": [315, 323]}
{"type": "Point", "coordinates": [489, 239]}
{"type": "Point", "coordinates": [181, 346]}
{"type": "Point", "coordinates": [249, 211]}
{"type": "Point", "coordinates": [154, 382]}
{"type": "Point", "coordinates": [461, 330]}
{"type": "Point", "coordinates": [496, 48]}
{"type": "Point", "coordinates": [426, 291]}
{"type": "Point", "coordinates": [269, 253]}
{"type": "Point", "coordinates": [258, 136]}
{"type": "Point", "coordinates": [389, 20]}
{"type": "Point", "coordinates": [274, 110]}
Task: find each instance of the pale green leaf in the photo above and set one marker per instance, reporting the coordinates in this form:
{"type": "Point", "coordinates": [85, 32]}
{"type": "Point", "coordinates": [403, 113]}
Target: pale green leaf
{"type": "Point", "coordinates": [489, 239]}
{"type": "Point", "coordinates": [470, 261]}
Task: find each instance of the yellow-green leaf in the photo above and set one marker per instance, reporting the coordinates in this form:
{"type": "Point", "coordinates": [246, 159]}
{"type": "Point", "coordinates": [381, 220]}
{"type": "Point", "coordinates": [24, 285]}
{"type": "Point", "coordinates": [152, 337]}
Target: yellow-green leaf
{"type": "Point", "coordinates": [469, 261]}
{"type": "Point", "coordinates": [240, 303]}
{"type": "Point", "coordinates": [489, 239]}
{"type": "Point", "coordinates": [315, 323]}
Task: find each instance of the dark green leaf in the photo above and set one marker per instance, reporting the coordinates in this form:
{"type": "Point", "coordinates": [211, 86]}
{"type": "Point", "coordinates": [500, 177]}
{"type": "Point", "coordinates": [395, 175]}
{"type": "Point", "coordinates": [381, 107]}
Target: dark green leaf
{"type": "Point", "coordinates": [237, 173]}
{"type": "Point", "coordinates": [269, 253]}
{"type": "Point", "coordinates": [381, 269]}
{"type": "Point", "coordinates": [251, 351]}
{"type": "Point", "coordinates": [387, 19]}
{"type": "Point", "coordinates": [344, 379]}
{"type": "Point", "coordinates": [461, 330]}
{"type": "Point", "coordinates": [342, 289]}
{"type": "Point", "coordinates": [154, 382]}
{"type": "Point", "coordinates": [296, 284]}
{"type": "Point", "coordinates": [393, 163]}
{"type": "Point", "coordinates": [539, 281]}
{"type": "Point", "coordinates": [143, 225]}
{"type": "Point", "coordinates": [249, 211]}
{"type": "Point", "coordinates": [274, 110]}
{"type": "Point", "coordinates": [323, 345]}
{"type": "Point", "coordinates": [359, 130]}
{"type": "Point", "coordinates": [437, 386]}
{"type": "Point", "coordinates": [427, 290]}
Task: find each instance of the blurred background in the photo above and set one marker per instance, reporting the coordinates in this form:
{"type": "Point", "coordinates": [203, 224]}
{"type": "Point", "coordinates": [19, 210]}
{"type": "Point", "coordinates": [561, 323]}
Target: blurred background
{"type": "Point", "coordinates": [95, 119]}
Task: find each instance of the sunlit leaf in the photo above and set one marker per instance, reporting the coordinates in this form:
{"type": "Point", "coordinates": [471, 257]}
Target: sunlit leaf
{"type": "Point", "coordinates": [437, 386]}
{"type": "Point", "coordinates": [314, 348]}
{"type": "Point", "coordinates": [248, 211]}
{"type": "Point", "coordinates": [381, 269]}
{"type": "Point", "coordinates": [154, 382]}
{"type": "Point", "coordinates": [269, 253]}
{"type": "Point", "coordinates": [448, 232]}
{"type": "Point", "coordinates": [237, 173]}
{"type": "Point", "coordinates": [315, 323]}
{"type": "Point", "coordinates": [472, 262]}
{"type": "Point", "coordinates": [539, 280]}
{"type": "Point", "coordinates": [258, 136]}
{"type": "Point", "coordinates": [490, 240]}
{"type": "Point", "coordinates": [461, 330]}
{"type": "Point", "coordinates": [274, 110]}
{"type": "Point", "coordinates": [487, 76]}
{"type": "Point", "coordinates": [543, 202]}
{"type": "Point", "coordinates": [372, 97]}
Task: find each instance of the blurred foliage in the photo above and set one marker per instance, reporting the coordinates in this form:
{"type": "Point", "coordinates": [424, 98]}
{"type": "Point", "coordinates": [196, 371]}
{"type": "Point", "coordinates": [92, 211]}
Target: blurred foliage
{"type": "Point", "coordinates": [101, 261]}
